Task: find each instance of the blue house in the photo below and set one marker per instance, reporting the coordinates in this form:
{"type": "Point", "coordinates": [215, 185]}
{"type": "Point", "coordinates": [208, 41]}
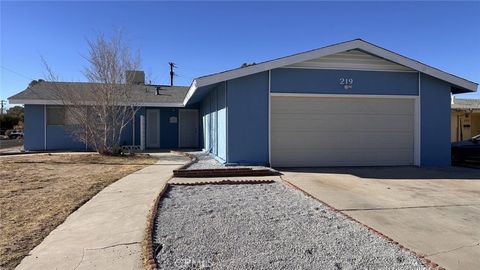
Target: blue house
{"type": "Point", "coordinates": [348, 104]}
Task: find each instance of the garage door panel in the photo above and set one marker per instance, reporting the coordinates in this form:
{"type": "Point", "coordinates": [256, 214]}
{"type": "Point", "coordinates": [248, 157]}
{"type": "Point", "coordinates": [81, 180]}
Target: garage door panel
{"type": "Point", "coordinates": [345, 157]}
{"type": "Point", "coordinates": [342, 122]}
{"type": "Point", "coordinates": [341, 131]}
{"type": "Point", "coordinates": [351, 140]}
{"type": "Point", "coordinates": [336, 105]}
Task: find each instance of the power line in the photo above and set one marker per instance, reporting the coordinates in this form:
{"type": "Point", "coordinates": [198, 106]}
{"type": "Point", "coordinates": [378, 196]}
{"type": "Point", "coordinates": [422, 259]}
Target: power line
{"type": "Point", "coordinates": [15, 72]}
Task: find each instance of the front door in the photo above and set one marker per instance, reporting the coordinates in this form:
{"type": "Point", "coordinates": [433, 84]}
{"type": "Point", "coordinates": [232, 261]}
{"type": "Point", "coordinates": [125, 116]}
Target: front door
{"type": "Point", "coordinates": [153, 128]}
{"type": "Point", "coordinates": [188, 128]}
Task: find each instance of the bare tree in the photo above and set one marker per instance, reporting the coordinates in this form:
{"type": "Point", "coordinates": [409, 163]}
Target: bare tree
{"type": "Point", "coordinates": [98, 112]}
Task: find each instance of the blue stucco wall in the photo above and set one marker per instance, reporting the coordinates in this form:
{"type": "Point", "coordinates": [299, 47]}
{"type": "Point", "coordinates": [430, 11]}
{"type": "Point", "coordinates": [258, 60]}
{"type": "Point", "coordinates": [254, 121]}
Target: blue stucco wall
{"type": "Point", "coordinates": [435, 122]}
{"type": "Point", "coordinates": [58, 138]}
{"type": "Point", "coordinates": [234, 114]}
{"type": "Point", "coordinates": [222, 122]}
{"type": "Point", "coordinates": [205, 112]}
{"type": "Point", "coordinates": [247, 103]}
{"type": "Point", "coordinates": [127, 135]}
{"type": "Point", "coordinates": [214, 121]}
{"type": "Point", "coordinates": [322, 81]}
{"type": "Point", "coordinates": [34, 128]}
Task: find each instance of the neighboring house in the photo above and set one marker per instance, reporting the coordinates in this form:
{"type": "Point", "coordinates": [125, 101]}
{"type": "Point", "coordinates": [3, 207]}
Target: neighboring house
{"type": "Point", "coordinates": [348, 104]}
{"type": "Point", "coordinates": [465, 119]}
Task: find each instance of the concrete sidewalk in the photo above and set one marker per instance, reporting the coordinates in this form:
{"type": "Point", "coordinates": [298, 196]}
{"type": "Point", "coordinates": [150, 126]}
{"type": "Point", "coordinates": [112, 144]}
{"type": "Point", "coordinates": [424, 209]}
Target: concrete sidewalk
{"type": "Point", "coordinates": [107, 231]}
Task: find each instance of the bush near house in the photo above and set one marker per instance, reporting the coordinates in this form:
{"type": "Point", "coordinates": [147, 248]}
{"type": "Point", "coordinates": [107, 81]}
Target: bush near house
{"type": "Point", "coordinates": [8, 121]}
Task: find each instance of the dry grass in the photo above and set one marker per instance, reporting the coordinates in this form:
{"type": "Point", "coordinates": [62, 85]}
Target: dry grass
{"type": "Point", "coordinates": [38, 192]}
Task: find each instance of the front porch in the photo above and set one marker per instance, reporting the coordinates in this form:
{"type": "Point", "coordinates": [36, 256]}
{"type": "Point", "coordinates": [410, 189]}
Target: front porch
{"type": "Point", "coordinates": [166, 128]}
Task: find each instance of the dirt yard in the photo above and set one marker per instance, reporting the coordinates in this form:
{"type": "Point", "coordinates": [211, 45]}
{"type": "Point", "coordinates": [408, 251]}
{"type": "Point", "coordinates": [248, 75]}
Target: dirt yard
{"type": "Point", "coordinates": [38, 192]}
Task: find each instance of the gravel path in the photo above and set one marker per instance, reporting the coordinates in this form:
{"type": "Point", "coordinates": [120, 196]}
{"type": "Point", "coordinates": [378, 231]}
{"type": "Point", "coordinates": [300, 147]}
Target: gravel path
{"type": "Point", "coordinates": [264, 226]}
{"type": "Point", "coordinates": [205, 161]}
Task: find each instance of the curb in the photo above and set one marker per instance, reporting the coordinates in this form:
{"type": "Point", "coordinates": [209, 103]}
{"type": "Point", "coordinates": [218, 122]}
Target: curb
{"type": "Point", "coordinates": [421, 257]}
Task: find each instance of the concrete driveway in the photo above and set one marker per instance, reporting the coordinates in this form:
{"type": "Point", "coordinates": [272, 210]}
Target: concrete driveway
{"type": "Point", "coordinates": [434, 211]}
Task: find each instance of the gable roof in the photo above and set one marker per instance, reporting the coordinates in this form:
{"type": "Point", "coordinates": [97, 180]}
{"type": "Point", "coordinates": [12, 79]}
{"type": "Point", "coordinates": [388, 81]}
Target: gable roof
{"type": "Point", "coordinates": [356, 44]}
{"type": "Point", "coordinates": [46, 92]}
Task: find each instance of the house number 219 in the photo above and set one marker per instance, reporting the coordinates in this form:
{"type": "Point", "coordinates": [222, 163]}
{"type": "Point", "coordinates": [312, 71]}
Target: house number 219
{"type": "Point", "coordinates": [346, 82]}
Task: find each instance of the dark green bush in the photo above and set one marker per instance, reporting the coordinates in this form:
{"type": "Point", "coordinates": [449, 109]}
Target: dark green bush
{"type": "Point", "coordinates": [8, 121]}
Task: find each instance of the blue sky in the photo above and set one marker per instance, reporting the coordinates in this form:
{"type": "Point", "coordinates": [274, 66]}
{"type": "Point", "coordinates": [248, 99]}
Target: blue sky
{"type": "Point", "coordinates": [207, 37]}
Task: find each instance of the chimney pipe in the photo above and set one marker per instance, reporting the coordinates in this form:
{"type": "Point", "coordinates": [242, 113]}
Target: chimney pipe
{"type": "Point", "coordinates": [135, 77]}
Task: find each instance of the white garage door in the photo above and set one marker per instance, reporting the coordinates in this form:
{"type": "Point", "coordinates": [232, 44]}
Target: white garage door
{"type": "Point", "coordinates": [341, 131]}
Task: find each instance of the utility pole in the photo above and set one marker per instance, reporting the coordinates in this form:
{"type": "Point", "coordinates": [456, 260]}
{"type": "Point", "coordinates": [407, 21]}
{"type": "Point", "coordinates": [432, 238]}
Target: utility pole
{"type": "Point", "coordinates": [172, 65]}
{"type": "Point", "coordinates": [3, 103]}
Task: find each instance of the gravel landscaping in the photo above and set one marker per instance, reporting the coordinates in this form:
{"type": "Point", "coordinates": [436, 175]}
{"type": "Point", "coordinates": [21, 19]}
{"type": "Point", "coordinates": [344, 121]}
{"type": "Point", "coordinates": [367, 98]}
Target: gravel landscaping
{"type": "Point", "coordinates": [264, 226]}
{"type": "Point", "coordinates": [206, 161]}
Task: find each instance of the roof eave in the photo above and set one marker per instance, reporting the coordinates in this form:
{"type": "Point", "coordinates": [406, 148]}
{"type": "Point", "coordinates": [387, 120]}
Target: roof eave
{"type": "Point", "coordinates": [416, 65]}
{"type": "Point", "coordinates": [59, 102]}
{"type": "Point", "coordinates": [191, 91]}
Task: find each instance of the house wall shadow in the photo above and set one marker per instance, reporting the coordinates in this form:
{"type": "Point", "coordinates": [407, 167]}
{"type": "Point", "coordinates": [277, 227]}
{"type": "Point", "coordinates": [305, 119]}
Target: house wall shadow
{"type": "Point", "coordinates": [397, 172]}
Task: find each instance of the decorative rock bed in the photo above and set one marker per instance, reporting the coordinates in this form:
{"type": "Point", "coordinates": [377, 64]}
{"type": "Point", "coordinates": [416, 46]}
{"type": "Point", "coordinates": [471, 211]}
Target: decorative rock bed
{"type": "Point", "coordinates": [264, 226]}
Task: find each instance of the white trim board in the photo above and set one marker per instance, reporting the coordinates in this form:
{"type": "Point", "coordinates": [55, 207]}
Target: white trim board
{"type": "Point", "coordinates": [269, 118]}
{"type": "Point", "coordinates": [418, 124]}
{"type": "Point", "coordinates": [45, 127]}
{"type": "Point", "coordinates": [339, 95]}
{"type": "Point", "coordinates": [325, 51]}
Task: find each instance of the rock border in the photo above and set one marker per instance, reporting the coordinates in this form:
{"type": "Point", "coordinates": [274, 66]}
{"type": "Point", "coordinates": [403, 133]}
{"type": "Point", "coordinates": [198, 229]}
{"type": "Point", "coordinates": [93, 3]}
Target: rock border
{"type": "Point", "coordinates": [148, 252]}
{"type": "Point", "coordinates": [421, 257]}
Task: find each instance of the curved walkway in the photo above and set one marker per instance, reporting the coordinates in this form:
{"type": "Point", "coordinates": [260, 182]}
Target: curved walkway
{"type": "Point", "coordinates": [107, 231]}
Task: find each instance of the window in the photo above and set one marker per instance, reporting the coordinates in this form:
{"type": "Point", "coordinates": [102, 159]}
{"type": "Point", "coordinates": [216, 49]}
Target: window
{"type": "Point", "coordinates": [55, 115]}
{"type": "Point", "coordinates": [73, 115]}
